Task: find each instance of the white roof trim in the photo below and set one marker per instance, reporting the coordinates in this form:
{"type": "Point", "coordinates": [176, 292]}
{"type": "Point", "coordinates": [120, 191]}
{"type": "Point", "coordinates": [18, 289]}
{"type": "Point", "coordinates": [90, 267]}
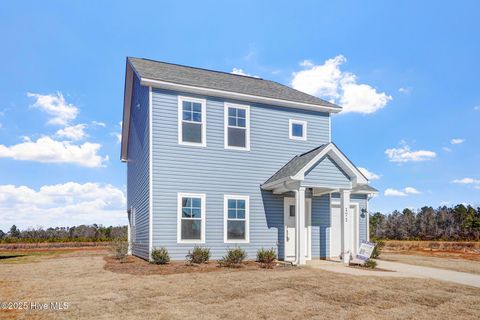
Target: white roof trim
{"type": "Point", "coordinates": [236, 95]}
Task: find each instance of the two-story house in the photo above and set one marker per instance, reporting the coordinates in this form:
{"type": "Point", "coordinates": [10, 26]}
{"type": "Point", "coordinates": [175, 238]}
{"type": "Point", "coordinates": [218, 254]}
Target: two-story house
{"type": "Point", "coordinates": [222, 160]}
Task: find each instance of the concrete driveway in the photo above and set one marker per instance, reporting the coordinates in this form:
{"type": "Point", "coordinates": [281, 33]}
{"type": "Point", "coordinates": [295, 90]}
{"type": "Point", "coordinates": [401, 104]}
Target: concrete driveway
{"type": "Point", "coordinates": [396, 269]}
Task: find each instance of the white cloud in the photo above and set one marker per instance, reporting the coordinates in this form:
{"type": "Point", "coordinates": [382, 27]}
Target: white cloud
{"type": "Point", "coordinates": [99, 124]}
{"type": "Point", "coordinates": [476, 108]}
{"type": "Point", "coordinates": [47, 150]}
{"type": "Point", "coordinates": [466, 181]}
{"type": "Point", "coordinates": [65, 204]}
{"type": "Point", "coordinates": [390, 192]}
{"type": "Point", "coordinates": [327, 81]}
{"type": "Point", "coordinates": [447, 149]}
{"type": "Point", "coordinates": [118, 135]}
{"type": "Point", "coordinates": [411, 190]}
{"type": "Point", "coordinates": [370, 175]}
{"type": "Point", "coordinates": [404, 90]}
{"type": "Point", "coordinates": [457, 141]}
{"type": "Point", "coordinates": [76, 132]}
{"type": "Point", "coordinates": [56, 106]}
{"type": "Point", "coordinates": [404, 154]}
{"type": "Point", "coordinates": [394, 193]}
{"type": "Point", "coordinates": [242, 73]}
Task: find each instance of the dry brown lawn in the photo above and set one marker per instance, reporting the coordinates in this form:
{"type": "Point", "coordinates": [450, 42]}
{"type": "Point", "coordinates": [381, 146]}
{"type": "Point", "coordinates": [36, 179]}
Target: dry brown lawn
{"type": "Point", "coordinates": [80, 279]}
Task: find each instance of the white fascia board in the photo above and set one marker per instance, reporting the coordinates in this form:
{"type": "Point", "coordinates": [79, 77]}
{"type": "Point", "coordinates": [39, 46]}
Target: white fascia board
{"type": "Point", "coordinates": [236, 95]}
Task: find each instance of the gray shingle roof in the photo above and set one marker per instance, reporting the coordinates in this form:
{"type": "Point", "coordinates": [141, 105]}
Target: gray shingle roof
{"type": "Point", "coordinates": [224, 81]}
{"type": "Point", "coordinates": [296, 164]}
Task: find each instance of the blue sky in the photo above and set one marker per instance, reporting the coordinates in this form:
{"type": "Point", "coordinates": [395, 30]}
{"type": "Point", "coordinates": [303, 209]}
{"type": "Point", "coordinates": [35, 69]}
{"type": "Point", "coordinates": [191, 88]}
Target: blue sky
{"type": "Point", "coordinates": [407, 72]}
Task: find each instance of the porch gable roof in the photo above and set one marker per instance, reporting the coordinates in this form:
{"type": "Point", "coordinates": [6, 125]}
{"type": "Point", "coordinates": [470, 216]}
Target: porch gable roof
{"type": "Point", "coordinates": [295, 169]}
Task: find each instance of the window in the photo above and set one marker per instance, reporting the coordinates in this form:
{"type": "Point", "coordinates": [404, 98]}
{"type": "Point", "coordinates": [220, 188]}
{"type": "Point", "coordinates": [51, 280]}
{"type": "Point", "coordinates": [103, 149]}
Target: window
{"type": "Point", "coordinates": [192, 121]}
{"type": "Point", "coordinates": [298, 130]}
{"type": "Point", "coordinates": [191, 218]}
{"type": "Point", "coordinates": [236, 217]}
{"type": "Point", "coordinates": [237, 127]}
{"type": "Point", "coordinates": [292, 210]}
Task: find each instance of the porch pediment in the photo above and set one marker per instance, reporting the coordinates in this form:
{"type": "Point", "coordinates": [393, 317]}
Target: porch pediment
{"type": "Point", "coordinates": [323, 167]}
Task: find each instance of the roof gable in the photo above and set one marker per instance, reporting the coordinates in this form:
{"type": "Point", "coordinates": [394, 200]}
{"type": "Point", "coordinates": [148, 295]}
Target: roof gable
{"type": "Point", "coordinates": [301, 165]}
{"type": "Point", "coordinates": [326, 172]}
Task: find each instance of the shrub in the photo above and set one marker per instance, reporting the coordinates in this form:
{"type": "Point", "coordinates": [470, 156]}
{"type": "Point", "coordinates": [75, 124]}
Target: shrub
{"type": "Point", "coordinates": [372, 264]}
{"type": "Point", "coordinates": [233, 258]}
{"type": "Point", "coordinates": [378, 248]}
{"type": "Point", "coordinates": [267, 257]}
{"type": "Point", "coordinates": [120, 249]}
{"type": "Point", "coordinates": [160, 256]}
{"type": "Point", "coordinates": [198, 255]}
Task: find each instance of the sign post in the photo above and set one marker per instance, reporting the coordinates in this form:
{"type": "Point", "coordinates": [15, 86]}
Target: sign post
{"type": "Point", "coordinates": [365, 251]}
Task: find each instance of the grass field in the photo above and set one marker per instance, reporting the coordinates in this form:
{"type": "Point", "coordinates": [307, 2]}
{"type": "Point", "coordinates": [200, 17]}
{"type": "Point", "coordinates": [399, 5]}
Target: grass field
{"type": "Point", "coordinates": [79, 278]}
{"type": "Point", "coordinates": [456, 256]}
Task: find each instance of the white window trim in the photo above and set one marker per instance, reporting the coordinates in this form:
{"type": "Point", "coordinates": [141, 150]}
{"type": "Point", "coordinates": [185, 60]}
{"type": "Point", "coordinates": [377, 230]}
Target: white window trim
{"type": "Point", "coordinates": [179, 216]}
{"type": "Point", "coordinates": [247, 218]}
{"type": "Point", "coordinates": [300, 122]}
{"type": "Point", "coordinates": [203, 102]}
{"type": "Point", "coordinates": [247, 126]}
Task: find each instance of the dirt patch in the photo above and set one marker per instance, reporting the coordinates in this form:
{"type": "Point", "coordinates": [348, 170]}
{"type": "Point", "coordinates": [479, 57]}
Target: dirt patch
{"type": "Point", "coordinates": [446, 261]}
{"type": "Point", "coordinates": [137, 266]}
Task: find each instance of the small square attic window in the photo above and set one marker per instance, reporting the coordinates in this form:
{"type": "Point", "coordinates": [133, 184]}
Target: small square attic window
{"type": "Point", "coordinates": [297, 130]}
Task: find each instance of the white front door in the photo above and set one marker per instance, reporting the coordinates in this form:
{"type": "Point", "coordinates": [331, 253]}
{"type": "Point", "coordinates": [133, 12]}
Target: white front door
{"type": "Point", "coordinates": [289, 220]}
{"type": "Point", "coordinates": [336, 230]}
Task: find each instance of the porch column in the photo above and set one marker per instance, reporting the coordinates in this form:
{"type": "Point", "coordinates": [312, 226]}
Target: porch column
{"type": "Point", "coordinates": [346, 220]}
{"type": "Point", "coordinates": [300, 226]}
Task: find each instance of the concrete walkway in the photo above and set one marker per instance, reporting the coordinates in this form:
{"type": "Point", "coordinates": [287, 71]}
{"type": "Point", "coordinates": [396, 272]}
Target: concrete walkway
{"type": "Point", "coordinates": [400, 270]}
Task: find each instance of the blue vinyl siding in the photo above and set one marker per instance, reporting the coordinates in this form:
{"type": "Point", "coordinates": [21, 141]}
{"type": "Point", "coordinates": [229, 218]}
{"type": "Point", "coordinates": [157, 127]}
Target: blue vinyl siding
{"type": "Point", "coordinates": [320, 225]}
{"type": "Point", "coordinates": [326, 173]}
{"type": "Point", "coordinates": [215, 171]}
{"type": "Point", "coordinates": [138, 168]}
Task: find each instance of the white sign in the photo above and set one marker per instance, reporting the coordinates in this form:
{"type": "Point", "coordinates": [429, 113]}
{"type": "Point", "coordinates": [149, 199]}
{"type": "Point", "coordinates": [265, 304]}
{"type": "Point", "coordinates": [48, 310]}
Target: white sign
{"type": "Point", "coordinates": [365, 250]}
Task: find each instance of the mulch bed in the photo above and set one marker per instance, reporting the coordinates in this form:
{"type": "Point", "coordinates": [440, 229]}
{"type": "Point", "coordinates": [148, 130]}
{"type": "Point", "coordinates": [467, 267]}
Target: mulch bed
{"type": "Point", "coordinates": [136, 266]}
{"type": "Point", "coordinates": [369, 269]}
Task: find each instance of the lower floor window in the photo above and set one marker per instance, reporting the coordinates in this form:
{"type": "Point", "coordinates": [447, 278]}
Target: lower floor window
{"type": "Point", "coordinates": [236, 219]}
{"type": "Point", "coordinates": [191, 217]}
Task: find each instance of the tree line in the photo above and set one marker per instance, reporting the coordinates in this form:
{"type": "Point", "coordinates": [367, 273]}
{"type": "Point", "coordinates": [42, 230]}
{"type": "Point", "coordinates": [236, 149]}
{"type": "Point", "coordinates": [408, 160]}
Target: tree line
{"type": "Point", "coordinates": [82, 233]}
{"type": "Point", "coordinates": [444, 223]}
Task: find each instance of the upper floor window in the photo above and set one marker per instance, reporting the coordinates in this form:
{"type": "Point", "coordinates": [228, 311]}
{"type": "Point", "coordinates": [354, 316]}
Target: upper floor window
{"type": "Point", "coordinates": [191, 218]}
{"type": "Point", "coordinates": [192, 124]}
{"type": "Point", "coordinates": [237, 126]}
{"type": "Point", "coordinates": [236, 216]}
{"type": "Point", "coordinates": [297, 130]}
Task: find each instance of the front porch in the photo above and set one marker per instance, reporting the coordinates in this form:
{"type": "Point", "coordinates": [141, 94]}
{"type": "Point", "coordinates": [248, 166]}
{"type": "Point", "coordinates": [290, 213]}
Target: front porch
{"type": "Point", "coordinates": [324, 192]}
